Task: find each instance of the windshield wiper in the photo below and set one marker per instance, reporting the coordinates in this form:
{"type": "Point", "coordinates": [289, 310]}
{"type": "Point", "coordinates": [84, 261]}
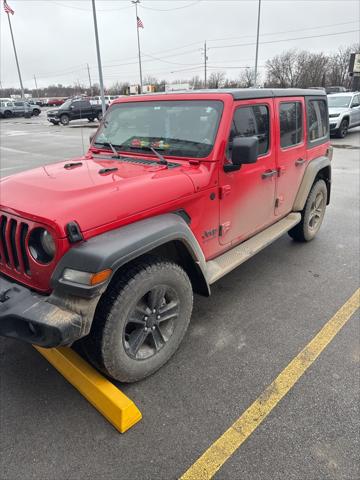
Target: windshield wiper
{"type": "Point", "coordinates": [162, 160]}
{"type": "Point", "coordinates": [108, 144]}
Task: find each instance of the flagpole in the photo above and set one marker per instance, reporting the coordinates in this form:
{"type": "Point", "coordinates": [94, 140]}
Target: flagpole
{"type": "Point", "coordinates": [135, 2]}
{"type": "Point", "coordinates": [101, 81]}
{"type": "Point", "coordinates": [16, 57]}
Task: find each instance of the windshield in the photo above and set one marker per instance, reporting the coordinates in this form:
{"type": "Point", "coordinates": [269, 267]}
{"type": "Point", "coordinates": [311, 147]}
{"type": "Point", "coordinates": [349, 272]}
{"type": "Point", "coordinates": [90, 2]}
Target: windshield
{"type": "Point", "coordinates": [66, 104]}
{"type": "Point", "coordinates": [177, 128]}
{"type": "Point", "coordinates": [338, 101]}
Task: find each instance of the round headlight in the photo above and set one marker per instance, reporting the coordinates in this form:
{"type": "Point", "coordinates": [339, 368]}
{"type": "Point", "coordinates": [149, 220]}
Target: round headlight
{"type": "Point", "coordinates": [42, 245]}
{"type": "Point", "coordinates": [48, 243]}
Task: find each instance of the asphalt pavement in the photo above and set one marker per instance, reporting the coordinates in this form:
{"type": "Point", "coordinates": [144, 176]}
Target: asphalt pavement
{"type": "Point", "coordinates": [257, 320]}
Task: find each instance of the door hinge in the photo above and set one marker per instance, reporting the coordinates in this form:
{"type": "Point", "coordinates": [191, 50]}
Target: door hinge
{"type": "Point", "coordinates": [224, 191]}
{"type": "Point", "coordinates": [277, 202]}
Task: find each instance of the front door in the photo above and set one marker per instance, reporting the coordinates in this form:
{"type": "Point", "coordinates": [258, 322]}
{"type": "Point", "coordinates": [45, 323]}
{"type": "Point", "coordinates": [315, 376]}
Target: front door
{"type": "Point", "coordinates": [291, 148]}
{"type": "Point", "coordinates": [247, 196]}
{"type": "Point", "coordinates": [355, 111]}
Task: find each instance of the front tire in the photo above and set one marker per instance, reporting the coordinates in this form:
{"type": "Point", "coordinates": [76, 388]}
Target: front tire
{"type": "Point", "coordinates": [7, 114]}
{"type": "Point", "coordinates": [140, 321]}
{"type": "Point", "coordinates": [64, 120]}
{"type": "Point", "coordinates": [312, 214]}
{"type": "Point", "coordinates": [100, 116]}
{"type": "Point", "coordinates": [36, 112]}
{"type": "Point", "coordinates": [343, 129]}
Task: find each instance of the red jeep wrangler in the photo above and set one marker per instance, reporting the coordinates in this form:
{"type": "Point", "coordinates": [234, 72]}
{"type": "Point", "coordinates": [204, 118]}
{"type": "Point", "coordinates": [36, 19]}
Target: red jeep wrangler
{"type": "Point", "coordinates": [175, 191]}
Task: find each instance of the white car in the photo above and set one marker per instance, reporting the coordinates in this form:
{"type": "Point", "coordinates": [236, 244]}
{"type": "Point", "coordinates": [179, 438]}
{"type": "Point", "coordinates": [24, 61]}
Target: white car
{"type": "Point", "coordinates": [344, 112]}
{"type": "Point", "coordinates": [108, 99]}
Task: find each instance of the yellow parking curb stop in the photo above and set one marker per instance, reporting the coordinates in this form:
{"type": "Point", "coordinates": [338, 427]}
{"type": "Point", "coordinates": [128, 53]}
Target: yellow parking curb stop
{"type": "Point", "coordinates": [113, 404]}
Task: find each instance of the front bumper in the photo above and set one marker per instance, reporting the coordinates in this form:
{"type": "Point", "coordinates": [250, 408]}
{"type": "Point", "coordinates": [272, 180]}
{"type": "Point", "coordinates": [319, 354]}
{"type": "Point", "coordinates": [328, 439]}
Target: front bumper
{"type": "Point", "coordinates": [31, 317]}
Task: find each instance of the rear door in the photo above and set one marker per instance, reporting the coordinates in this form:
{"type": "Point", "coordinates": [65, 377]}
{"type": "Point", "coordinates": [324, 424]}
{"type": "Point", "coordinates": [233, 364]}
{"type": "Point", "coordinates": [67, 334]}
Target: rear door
{"type": "Point", "coordinates": [247, 195]}
{"type": "Point", "coordinates": [291, 150]}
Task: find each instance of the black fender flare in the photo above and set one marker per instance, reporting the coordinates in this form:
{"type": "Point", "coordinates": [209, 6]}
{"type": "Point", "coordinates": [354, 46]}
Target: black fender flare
{"type": "Point", "coordinates": [311, 172]}
{"type": "Point", "coordinates": [118, 247]}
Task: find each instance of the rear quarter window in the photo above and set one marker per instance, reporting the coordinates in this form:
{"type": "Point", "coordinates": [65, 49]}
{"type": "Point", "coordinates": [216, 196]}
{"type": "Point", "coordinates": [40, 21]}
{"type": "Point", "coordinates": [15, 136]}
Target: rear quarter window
{"type": "Point", "coordinates": [317, 121]}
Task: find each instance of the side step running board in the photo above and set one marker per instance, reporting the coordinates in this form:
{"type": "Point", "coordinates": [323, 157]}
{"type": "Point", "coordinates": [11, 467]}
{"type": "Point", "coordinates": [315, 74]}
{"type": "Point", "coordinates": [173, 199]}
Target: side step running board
{"type": "Point", "coordinates": [226, 262]}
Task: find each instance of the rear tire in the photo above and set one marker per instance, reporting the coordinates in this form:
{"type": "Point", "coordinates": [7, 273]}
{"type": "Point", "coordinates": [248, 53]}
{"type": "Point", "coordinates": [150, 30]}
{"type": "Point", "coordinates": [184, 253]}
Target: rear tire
{"type": "Point", "coordinates": [312, 214]}
{"type": "Point", "coordinates": [140, 320]}
{"type": "Point", "coordinates": [343, 129]}
{"type": "Point", "coordinates": [100, 116]}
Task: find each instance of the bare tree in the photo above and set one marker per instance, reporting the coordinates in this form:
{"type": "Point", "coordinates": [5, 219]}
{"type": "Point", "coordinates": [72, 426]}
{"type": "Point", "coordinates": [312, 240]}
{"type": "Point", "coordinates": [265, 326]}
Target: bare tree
{"type": "Point", "coordinates": [216, 80]}
{"type": "Point", "coordinates": [338, 66]}
{"type": "Point", "coordinates": [246, 78]}
{"type": "Point", "coordinates": [196, 82]}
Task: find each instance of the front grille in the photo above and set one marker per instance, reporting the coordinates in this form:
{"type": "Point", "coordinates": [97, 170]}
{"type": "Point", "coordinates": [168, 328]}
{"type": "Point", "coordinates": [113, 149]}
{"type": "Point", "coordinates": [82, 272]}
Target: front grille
{"type": "Point", "coordinates": [13, 253]}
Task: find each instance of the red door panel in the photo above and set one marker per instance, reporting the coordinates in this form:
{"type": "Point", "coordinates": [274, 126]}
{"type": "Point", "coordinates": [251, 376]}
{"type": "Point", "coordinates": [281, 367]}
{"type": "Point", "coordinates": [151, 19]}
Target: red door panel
{"type": "Point", "coordinates": [291, 148]}
{"type": "Point", "coordinates": [247, 196]}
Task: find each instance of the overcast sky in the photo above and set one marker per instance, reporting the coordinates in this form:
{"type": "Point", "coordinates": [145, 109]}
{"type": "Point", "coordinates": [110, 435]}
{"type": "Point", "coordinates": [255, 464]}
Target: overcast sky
{"type": "Point", "coordinates": [55, 38]}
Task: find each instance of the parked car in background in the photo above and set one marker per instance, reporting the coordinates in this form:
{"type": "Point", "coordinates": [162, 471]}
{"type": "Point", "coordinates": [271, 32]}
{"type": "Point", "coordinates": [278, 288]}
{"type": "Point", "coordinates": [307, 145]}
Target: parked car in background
{"type": "Point", "coordinates": [25, 108]}
{"type": "Point", "coordinates": [344, 112]}
{"type": "Point", "coordinates": [6, 109]}
{"type": "Point", "coordinates": [36, 101]}
{"type": "Point", "coordinates": [54, 102]}
{"type": "Point", "coordinates": [74, 110]}
{"type": "Point", "coordinates": [335, 89]}
{"type": "Point", "coordinates": [108, 99]}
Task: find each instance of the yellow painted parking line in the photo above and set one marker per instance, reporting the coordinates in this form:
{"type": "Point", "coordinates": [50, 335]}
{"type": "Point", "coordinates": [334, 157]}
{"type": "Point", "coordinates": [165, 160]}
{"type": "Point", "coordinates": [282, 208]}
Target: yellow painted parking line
{"type": "Point", "coordinates": [222, 449]}
{"type": "Point", "coordinates": [113, 404]}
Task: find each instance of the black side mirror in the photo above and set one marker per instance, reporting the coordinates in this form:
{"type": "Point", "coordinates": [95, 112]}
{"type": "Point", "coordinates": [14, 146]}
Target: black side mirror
{"type": "Point", "coordinates": [91, 137]}
{"type": "Point", "coordinates": [244, 150]}
{"type": "Point", "coordinates": [354, 105]}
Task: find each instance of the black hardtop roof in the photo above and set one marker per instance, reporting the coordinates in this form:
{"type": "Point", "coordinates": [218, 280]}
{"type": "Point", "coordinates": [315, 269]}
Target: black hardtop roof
{"type": "Point", "coordinates": [248, 93]}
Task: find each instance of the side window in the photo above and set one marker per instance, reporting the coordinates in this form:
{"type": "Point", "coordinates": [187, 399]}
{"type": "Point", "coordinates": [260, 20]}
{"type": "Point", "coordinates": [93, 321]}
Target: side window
{"type": "Point", "coordinates": [291, 127]}
{"type": "Point", "coordinates": [356, 101]}
{"type": "Point", "coordinates": [252, 121]}
{"type": "Point", "coordinates": [318, 122]}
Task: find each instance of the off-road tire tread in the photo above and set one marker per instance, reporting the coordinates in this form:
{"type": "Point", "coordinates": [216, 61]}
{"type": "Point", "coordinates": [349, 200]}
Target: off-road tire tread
{"type": "Point", "coordinates": [298, 233]}
{"type": "Point", "coordinates": [96, 344]}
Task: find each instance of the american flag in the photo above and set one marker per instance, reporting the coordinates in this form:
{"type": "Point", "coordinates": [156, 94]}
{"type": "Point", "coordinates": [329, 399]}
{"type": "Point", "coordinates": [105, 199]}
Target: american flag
{"type": "Point", "coordinates": [7, 8]}
{"type": "Point", "coordinates": [139, 22]}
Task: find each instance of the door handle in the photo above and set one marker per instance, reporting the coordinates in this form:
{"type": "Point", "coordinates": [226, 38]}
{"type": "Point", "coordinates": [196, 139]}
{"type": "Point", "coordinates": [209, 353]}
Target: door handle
{"type": "Point", "coordinates": [299, 162]}
{"type": "Point", "coordinates": [269, 173]}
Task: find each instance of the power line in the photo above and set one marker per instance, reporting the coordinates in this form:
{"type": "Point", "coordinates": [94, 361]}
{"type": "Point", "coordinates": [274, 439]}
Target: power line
{"type": "Point", "coordinates": [285, 39]}
{"type": "Point", "coordinates": [284, 31]}
{"type": "Point", "coordinates": [170, 9]}
{"type": "Point", "coordinates": [75, 7]}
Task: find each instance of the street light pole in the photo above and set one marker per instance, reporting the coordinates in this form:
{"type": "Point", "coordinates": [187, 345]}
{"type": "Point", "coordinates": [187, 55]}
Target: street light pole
{"type": "Point", "coordinates": [257, 45]}
{"type": "Point", "coordinates": [88, 69]}
{"type": "Point", "coordinates": [36, 87]}
{"type": "Point", "coordinates": [135, 2]}
{"type": "Point", "coordinates": [16, 57]}
{"type": "Point", "coordinates": [205, 65]}
{"type": "Point", "coordinates": [101, 81]}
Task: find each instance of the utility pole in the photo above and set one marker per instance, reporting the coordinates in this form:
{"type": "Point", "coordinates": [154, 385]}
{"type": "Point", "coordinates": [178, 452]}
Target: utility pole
{"type": "Point", "coordinates": [136, 2]}
{"type": "Point", "coordinates": [257, 45]}
{"type": "Point", "coordinates": [205, 65]}
{"type": "Point", "coordinates": [101, 81]}
{"type": "Point", "coordinates": [36, 88]}
{"type": "Point", "coordinates": [88, 69]}
{"type": "Point", "coordinates": [16, 57]}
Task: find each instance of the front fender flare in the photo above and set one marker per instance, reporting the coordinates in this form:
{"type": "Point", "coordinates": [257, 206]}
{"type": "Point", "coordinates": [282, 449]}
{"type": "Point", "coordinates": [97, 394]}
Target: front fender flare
{"type": "Point", "coordinates": [115, 248]}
